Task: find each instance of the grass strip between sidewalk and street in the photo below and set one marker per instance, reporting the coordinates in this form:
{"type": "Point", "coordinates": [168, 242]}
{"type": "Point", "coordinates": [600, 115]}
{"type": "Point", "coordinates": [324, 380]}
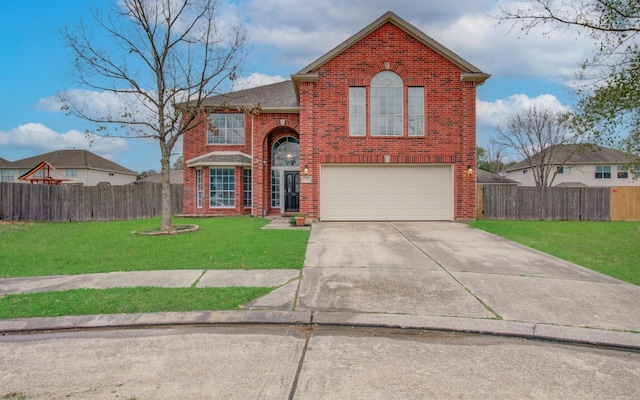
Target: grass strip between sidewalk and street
{"type": "Point", "coordinates": [126, 300]}
{"type": "Point", "coordinates": [69, 248]}
{"type": "Point", "coordinates": [609, 247]}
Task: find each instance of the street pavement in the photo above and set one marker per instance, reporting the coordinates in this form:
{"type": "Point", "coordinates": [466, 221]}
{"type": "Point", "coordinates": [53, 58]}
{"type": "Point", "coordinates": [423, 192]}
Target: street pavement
{"type": "Point", "coordinates": [380, 310]}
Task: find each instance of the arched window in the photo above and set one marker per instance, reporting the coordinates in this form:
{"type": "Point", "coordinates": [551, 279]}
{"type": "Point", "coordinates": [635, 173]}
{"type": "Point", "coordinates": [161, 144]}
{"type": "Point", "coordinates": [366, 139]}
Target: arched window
{"type": "Point", "coordinates": [286, 152]}
{"type": "Point", "coordinates": [386, 104]}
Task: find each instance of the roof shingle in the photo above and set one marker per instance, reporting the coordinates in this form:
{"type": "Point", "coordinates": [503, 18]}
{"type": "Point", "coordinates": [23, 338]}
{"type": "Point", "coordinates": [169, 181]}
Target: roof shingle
{"type": "Point", "coordinates": [582, 154]}
{"type": "Point", "coordinates": [76, 159]}
{"type": "Point", "coordinates": [276, 96]}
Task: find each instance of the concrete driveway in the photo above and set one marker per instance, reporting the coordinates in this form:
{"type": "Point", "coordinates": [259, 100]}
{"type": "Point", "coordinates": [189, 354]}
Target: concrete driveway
{"type": "Point", "coordinates": [448, 269]}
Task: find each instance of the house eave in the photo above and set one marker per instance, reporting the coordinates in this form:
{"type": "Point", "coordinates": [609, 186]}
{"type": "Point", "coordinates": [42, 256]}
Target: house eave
{"type": "Point", "coordinates": [209, 160]}
{"type": "Point", "coordinates": [264, 110]}
{"type": "Point", "coordinates": [280, 110]}
{"type": "Point", "coordinates": [298, 78]}
{"type": "Point", "coordinates": [217, 164]}
{"type": "Point", "coordinates": [477, 77]}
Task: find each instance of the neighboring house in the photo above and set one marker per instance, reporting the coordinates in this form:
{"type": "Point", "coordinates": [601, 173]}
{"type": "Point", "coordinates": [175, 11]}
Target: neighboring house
{"type": "Point", "coordinates": [382, 127]}
{"type": "Point", "coordinates": [81, 167]}
{"type": "Point", "coordinates": [589, 165]}
{"type": "Point", "coordinates": [175, 177]}
{"type": "Point", "coordinates": [487, 178]}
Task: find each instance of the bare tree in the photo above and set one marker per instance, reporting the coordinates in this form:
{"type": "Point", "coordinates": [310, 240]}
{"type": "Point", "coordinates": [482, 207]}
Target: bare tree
{"type": "Point", "coordinates": [610, 99]}
{"type": "Point", "coordinates": [492, 157]}
{"type": "Point", "coordinates": [149, 65]}
{"type": "Point", "coordinates": [543, 138]}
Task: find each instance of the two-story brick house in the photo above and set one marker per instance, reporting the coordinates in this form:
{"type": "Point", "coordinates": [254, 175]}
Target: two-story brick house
{"type": "Point", "coordinates": [382, 127]}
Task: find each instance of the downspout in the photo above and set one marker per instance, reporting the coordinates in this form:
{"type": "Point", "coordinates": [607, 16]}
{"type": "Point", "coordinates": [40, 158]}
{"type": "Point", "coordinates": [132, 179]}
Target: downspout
{"type": "Point", "coordinates": [253, 175]}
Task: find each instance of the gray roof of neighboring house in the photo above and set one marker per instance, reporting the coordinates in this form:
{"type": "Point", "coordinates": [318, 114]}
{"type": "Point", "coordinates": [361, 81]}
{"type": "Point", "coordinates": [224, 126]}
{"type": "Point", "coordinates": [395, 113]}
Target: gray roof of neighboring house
{"type": "Point", "coordinates": [275, 97]}
{"type": "Point", "coordinates": [70, 159]}
{"type": "Point", "coordinates": [581, 154]}
{"type": "Point", "coordinates": [571, 184]}
{"type": "Point", "coordinates": [175, 177]}
{"type": "Point", "coordinates": [487, 178]}
{"type": "Point", "coordinates": [3, 161]}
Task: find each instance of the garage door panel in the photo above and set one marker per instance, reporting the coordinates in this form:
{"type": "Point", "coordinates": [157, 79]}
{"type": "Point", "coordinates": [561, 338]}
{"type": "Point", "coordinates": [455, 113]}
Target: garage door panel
{"type": "Point", "coordinates": [374, 192]}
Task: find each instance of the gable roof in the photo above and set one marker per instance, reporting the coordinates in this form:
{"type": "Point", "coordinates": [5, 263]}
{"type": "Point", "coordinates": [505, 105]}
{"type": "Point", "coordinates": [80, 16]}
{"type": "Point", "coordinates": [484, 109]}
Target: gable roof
{"type": "Point", "coordinates": [470, 72]}
{"type": "Point", "coordinates": [44, 173]}
{"type": "Point", "coordinates": [487, 178]}
{"type": "Point", "coordinates": [581, 154]}
{"type": "Point", "coordinates": [284, 96]}
{"type": "Point", "coordinates": [276, 97]}
{"type": "Point", "coordinates": [3, 161]}
{"type": "Point", "coordinates": [70, 159]}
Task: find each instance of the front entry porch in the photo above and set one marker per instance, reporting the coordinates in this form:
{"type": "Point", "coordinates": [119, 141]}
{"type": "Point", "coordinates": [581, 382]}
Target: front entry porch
{"type": "Point", "coordinates": [285, 176]}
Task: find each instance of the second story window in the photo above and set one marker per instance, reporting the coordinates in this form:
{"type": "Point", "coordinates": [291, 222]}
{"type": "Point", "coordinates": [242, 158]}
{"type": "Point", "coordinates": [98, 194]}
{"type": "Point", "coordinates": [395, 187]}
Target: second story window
{"type": "Point", "coordinates": [603, 172]}
{"type": "Point", "coordinates": [7, 175]}
{"type": "Point", "coordinates": [357, 111]}
{"type": "Point", "coordinates": [623, 172]}
{"type": "Point", "coordinates": [416, 111]}
{"type": "Point", "coordinates": [386, 104]}
{"type": "Point", "coordinates": [226, 129]}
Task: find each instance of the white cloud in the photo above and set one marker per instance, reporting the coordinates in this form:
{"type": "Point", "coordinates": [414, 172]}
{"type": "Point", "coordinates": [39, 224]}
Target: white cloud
{"type": "Point", "coordinates": [298, 35]}
{"type": "Point", "coordinates": [41, 139]}
{"type": "Point", "coordinates": [256, 79]}
{"type": "Point", "coordinates": [494, 48]}
{"type": "Point", "coordinates": [490, 115]}
{"type": "Point", "coordinates": [106, 105]}
{"type": "Point", "coordinates": [497, 112]}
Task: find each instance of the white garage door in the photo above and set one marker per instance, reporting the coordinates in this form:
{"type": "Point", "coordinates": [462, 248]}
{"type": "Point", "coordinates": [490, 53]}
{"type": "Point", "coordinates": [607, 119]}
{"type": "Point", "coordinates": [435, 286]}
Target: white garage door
{"type": "Point", "coordinates": [386, 193]}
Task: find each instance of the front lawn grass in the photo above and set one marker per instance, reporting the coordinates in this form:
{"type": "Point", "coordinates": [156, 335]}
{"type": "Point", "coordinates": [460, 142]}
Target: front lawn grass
{"type": "Point", "coordinates": [126, 300]}
{"type": "Point", "coordinates": [67, 248]}
{"type": "Point", "coordinates": [611, 248]}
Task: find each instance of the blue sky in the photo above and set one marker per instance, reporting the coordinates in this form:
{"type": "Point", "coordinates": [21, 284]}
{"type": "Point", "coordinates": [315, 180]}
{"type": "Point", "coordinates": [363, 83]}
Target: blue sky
{"type": "Point", "coordinates": [284, 37]}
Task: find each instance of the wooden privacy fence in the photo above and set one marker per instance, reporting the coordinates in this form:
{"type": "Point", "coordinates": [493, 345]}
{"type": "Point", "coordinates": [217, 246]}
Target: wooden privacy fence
{"type": "Point", "coordinates": [625, 203]}
{"type": "Point", "coordinates": [25, 202]}
{"type": "Point", "coordinates": [621, 203]}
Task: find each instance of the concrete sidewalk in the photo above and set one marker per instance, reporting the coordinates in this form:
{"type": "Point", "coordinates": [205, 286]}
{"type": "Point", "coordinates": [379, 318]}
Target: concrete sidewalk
{"type": "Point", "coordinates": [421, 275]}
{"type": "Point", "coordinates": [165, 279]}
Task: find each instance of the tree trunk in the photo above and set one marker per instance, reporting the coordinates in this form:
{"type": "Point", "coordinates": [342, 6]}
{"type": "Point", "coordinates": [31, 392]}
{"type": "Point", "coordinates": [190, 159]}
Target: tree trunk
{"type": "Point", "coordinates": [166, 225]}
{"type": "Point", "coordinates": [543, 203]}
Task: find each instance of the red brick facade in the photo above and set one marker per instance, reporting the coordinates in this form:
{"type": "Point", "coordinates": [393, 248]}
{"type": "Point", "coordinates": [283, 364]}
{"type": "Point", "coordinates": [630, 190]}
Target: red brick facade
{"type": "Point", "coordinates": [322, 124]}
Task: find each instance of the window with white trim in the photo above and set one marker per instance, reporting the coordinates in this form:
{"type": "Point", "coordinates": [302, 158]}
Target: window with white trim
{"type": "Point", "coordinates": [623, 172]}
{"type": "Point", "coordinates": [357, 111]}
{"type": "Point", "coordinates": [386, 104]}
{"type": "Point", "coordinates": [603, 172]}
{"type": "Point", "coordinates": [71, 172]}
{"type": "Point", "coordinates": [247, 179]}
{"type": "Point", "coordinates": [7, 175]}
{"type": "Point", "coordinates": [199, 191]}
{"type": "Point", "coordinates": [222, 187]}
{"type": "Point", "coordinates": [226, 129]}
{"type": "Point", "coordinates": [415, 114]}
{"type": "Point", "coordinates": [275, 188]}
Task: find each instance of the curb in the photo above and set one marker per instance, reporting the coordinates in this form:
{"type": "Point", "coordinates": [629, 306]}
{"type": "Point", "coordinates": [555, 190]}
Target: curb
{"type": "Point", "coordinates": [525, 330]}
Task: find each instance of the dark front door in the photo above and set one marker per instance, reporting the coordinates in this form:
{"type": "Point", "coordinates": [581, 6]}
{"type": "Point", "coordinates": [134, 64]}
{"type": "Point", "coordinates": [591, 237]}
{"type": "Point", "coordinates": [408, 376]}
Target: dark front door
{"type": "Point", "coordinates": [291, 191]}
